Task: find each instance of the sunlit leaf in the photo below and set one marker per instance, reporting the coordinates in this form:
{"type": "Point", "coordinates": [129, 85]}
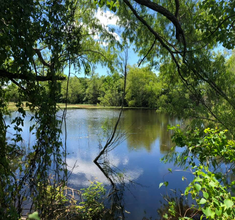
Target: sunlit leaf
{"type": "Point", "coordinates": [228, 203]}
{"type": "Point", "coordinates": [34, 216]}
{"type": "Point", "coordinates": [202, 201]}
{"type": "Point", "coordinates": [197, 187]}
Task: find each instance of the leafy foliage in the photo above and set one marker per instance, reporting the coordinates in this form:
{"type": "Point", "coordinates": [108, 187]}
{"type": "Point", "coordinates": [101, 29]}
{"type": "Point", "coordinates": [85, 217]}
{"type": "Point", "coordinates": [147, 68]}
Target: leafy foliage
{"type": "Point", "coordinates": [67, 206]}
{"type": "Point", "coordinates": [92, 207]}
{"type": "Point", "coordinates": [177, 38]}
{"type": "Point", "coordinates": [210, 188]}
{"type": "Point", "coordinates": [142, 87]}
{"type": "Point", "coordinates": [216, 202]}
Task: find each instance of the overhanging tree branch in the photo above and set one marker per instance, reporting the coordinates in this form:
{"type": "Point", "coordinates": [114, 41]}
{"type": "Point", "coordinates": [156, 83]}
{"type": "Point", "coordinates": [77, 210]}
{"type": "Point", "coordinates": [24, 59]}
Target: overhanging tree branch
{"type": "Point", "coordinates": [6, 74]}
{"type": "Point", "coordinates": [16, 83]}
{"type": "Point", "coordinates": [177, 5]}
{"type": "Point", "coordinates": [158, 8]}
{"type": "Point", "coordinates": [158, 37]}
{"type": "Point", "coordinates": [161, 41]}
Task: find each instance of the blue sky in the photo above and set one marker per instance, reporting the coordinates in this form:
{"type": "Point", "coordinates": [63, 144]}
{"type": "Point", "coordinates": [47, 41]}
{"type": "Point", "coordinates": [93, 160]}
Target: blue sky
{"type": "Point", "coordinates": [132, 60]}
{"type": "Point", "coordinates": [108, 19]}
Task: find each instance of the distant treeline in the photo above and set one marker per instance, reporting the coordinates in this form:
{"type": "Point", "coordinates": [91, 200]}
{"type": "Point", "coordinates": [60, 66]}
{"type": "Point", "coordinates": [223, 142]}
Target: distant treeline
{"type": "Point", "coordinates": [142, 90]}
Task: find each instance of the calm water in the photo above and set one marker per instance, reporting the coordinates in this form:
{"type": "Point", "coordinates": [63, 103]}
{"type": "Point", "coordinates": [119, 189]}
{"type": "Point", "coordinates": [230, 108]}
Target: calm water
{"type": "Point", "coordinates": [144, 140]}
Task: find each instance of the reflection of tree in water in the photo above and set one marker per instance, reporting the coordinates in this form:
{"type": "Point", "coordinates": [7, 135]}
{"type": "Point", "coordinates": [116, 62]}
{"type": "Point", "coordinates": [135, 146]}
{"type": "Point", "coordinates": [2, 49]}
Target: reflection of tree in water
{"type": "Point", "coordinates": [115, 176]}
{"type": "Point", "coordinates": [143, 128]}
{"type": "Point", "coordinates": [146, 126]}
{"type": "Point", "coordinates": [165, 140]}
{"type": "Point", "coordinates": [102, 124]}
{"type": "Point", "coordinates": [115, 201]}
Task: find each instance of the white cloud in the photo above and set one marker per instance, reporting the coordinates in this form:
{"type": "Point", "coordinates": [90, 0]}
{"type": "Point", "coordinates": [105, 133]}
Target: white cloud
{"type": "Point", "coordinates": [106, 17]}
{"type": "Point", "coordinates": [125, 161]}
{"type": "Point", "coordinates": [86, 171]}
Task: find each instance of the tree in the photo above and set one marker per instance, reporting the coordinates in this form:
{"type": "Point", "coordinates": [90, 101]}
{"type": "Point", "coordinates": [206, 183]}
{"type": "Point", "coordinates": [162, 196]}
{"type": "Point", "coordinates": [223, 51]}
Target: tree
{"type": "Point", "coordinates": [38, 40]}
{"type": "Point", "coordinates": [183, 35]}
{"type": "Point", "coordinates": [93, 90]}
{"type": "Point", "coordinates": [142, 87]}
{"type": "Point", "coordinates": [111, 91]}
{"type": "Point", "coordinates": [12, 93]}
{"type": "Point", "coordinates": [75, 93]}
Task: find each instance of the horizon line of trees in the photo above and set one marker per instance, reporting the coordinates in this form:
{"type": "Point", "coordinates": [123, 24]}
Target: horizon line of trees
{"type": "Point", "coordinates": [144, 89]}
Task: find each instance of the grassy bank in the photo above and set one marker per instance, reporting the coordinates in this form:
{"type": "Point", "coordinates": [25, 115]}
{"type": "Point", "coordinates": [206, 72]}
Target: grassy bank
{"type": "Point", "coordinates": [12, 107]}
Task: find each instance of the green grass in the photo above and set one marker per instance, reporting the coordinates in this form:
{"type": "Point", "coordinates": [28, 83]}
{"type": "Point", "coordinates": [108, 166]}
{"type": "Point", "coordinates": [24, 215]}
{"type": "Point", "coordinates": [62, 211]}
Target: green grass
{"type": "Point", "coordinates": [12, 107]}
{"type": "Point", "coordinates": [83, 106]}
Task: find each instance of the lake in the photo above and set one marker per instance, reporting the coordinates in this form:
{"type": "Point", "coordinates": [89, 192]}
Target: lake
{"type": "Point", "coordinates": [142, 141]}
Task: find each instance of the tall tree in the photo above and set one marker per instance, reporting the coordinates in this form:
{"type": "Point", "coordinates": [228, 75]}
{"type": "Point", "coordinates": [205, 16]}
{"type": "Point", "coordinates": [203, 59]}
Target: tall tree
{"type": "Point", "coordinates": [93, 91]}
{"type": "Point", "coordinates": [111, 91]}
{"type": "Point", "coordinates": [142, 87]}
{"type": "Point", "coordinates": [75, 93]}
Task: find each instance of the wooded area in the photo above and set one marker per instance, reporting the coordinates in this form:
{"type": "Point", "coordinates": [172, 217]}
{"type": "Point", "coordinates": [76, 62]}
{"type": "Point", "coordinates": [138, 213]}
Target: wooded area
{"type": "Point", "coordinates": [177, 39]}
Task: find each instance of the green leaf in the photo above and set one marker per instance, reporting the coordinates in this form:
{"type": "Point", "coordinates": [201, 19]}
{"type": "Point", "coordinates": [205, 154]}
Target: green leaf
{"type": "Point", "coordinates": [165, 216]}
{"type": "Point", "coordinates": [208, 212]}
{"type": "Point", "coordinates": [160, 185]}
{"type": "Point", "coordinates": [206, 195]}
{"type": "Point", "coordinates": [218, 212]}
{"type": "Point", "coordinates": [34, 216]}
{"type": "Point", "coordinates": [197, 187]}
{"type": "Point", "coordinates": [202, 201]}
{"type": "Point", "coordinates": [187, 190]}
{"type": "Point", "coordinates": [228, 203]}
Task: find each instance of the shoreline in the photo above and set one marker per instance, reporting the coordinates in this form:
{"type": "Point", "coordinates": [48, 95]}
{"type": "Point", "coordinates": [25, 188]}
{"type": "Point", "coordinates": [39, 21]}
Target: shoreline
{"type": "Point", "coordinates": [12, 107]}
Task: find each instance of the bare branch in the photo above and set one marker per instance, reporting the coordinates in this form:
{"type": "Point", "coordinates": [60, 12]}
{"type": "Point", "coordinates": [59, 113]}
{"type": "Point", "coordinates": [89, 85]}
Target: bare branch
{"type": "Point", "coordinates": [38, 52]}
{"type": "Point", "coordinates": [109, 142]}
{"type": "Point", "coordinates": [148, 52]}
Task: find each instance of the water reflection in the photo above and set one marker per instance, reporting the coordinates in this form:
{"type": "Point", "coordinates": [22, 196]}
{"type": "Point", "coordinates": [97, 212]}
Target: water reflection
{"type": "Point", "coordinates": [84, 171]}
{"type": "Point", "coordinates": [137, 156]}
{"type": "Point", "coordinates": [135, 159]}
{"type": "Point", "coordinates": [144, 127]}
